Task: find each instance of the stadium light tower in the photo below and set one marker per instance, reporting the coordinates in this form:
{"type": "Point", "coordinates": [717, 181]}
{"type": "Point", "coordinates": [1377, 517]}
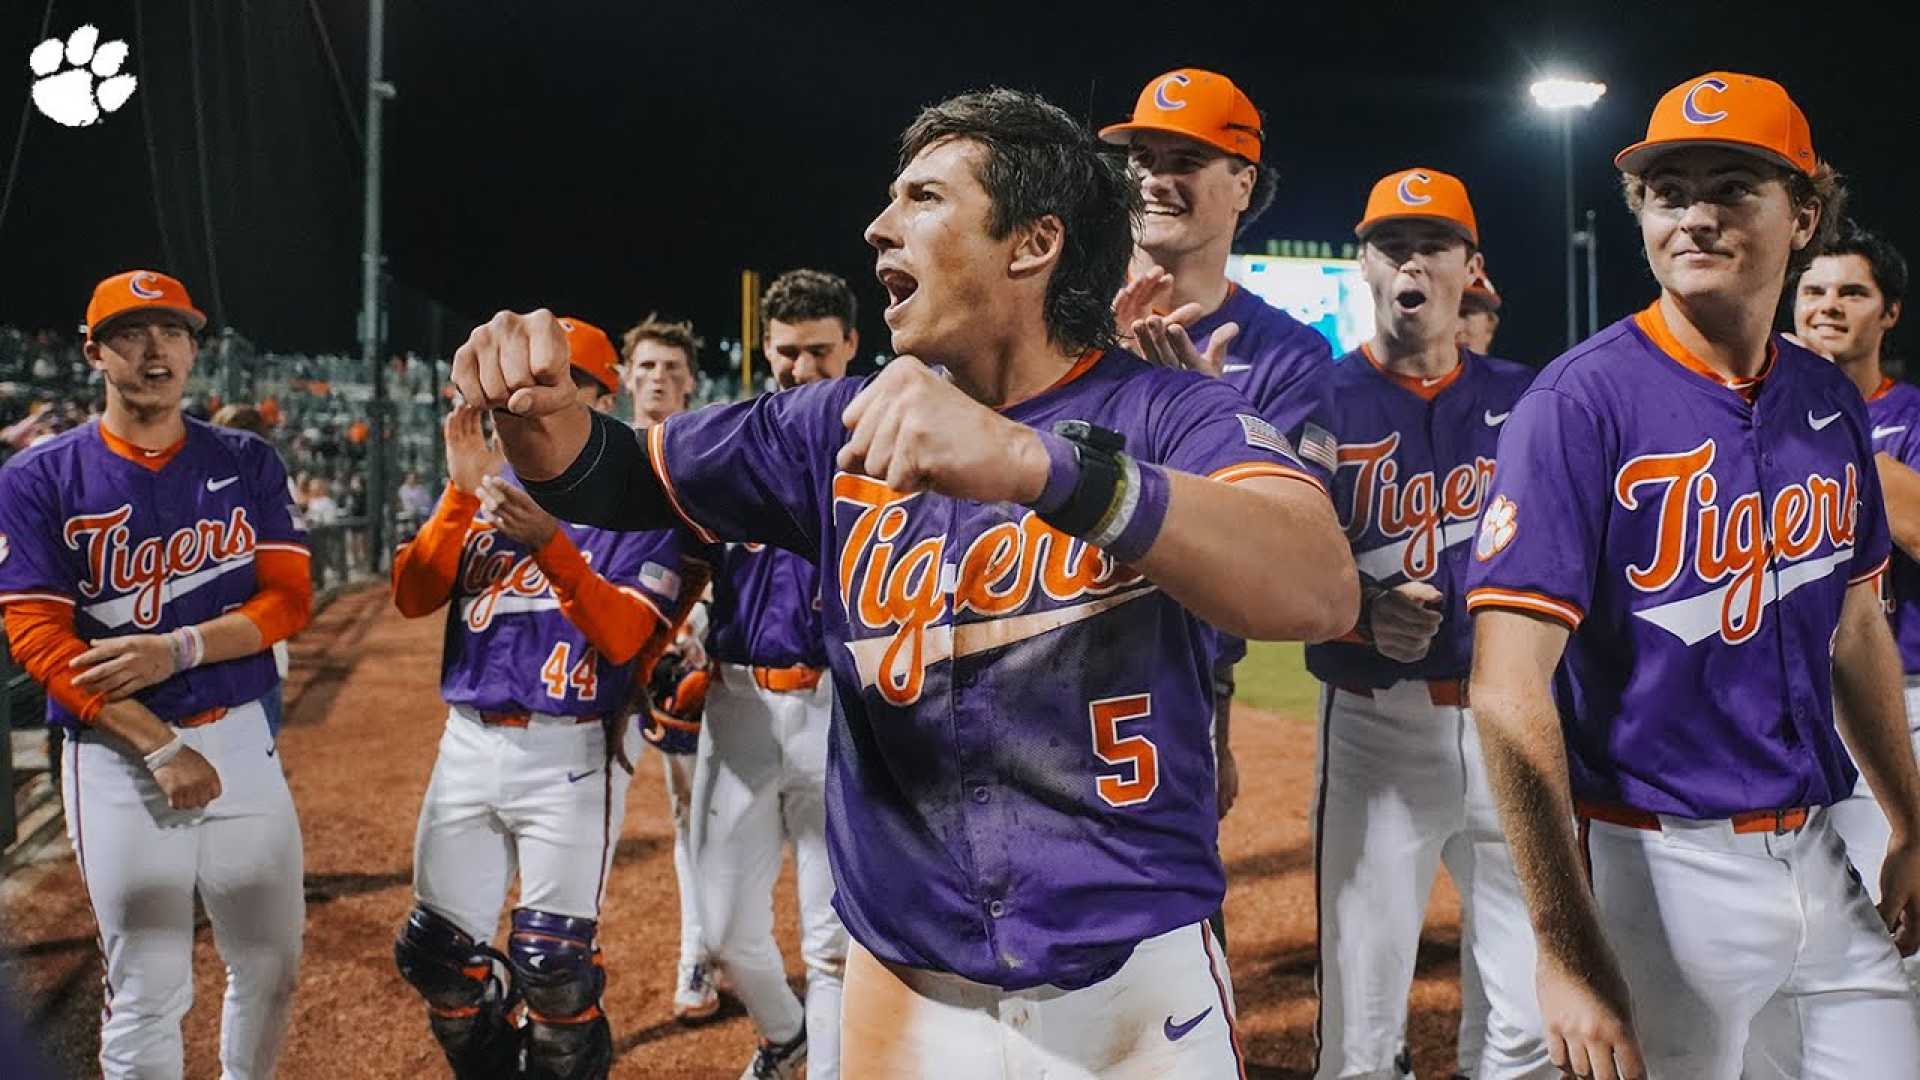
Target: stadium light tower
{"type": "Point", "coordinates": [1565, 96]}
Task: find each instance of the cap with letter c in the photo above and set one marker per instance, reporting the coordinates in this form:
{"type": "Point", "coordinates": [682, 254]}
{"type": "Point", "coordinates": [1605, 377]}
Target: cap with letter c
{"type": "Point", "coordinates": [1423, 195]}
{"type": "Point", "coordinates": [140, 290]}
{"type": "Point", "coordinates": [1726, 109]}
{"type": "Point", "coordinates": [590, 350]}
{"type": "Point", "coordinates": [1199, 104]}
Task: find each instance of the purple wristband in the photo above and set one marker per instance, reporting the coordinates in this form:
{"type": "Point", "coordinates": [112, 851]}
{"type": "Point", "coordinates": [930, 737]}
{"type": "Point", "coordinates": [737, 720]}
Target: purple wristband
{"type": "Point", "coordinates": [1141, 527]}
{"type": "Point", "coordinates": [1063, 473]}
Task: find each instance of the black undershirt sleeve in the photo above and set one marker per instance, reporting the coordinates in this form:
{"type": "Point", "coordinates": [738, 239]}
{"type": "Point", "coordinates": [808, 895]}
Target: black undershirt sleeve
{"type": "Point", "coordinates": [611, 485]}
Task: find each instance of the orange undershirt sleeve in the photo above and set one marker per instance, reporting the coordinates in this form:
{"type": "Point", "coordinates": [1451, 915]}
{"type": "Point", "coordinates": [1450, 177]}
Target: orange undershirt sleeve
{"type": "Point", "coordinates": [284, 601]}
{"type": "Point", "coordinates": [40, 633]}
{"type": "Point", "coordinates": [616, 620]}
{"type": "Point", "coordinates": [424, 567]}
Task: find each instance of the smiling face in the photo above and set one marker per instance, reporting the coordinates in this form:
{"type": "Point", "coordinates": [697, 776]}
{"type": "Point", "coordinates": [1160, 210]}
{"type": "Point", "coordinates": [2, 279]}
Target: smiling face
{"type": "Point", "coordinates": [145, 357]}
{"type": "Point", "coordinates": [1194, 194]}
{"type": "Point", "coordinates": [1416, 270]}
{"type": "Point", "coordinates": [1718, 224]}
{"type": "Point", "coordinates": [948, 281]}
{"type": "Point", "coordinates": [1839, 309]}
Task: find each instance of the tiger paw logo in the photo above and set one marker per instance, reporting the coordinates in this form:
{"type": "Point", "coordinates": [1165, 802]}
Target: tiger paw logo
{"type": "Point", "coordinates": [70, 97]}
{"type": "Point", "coordinates": [1497, 527]}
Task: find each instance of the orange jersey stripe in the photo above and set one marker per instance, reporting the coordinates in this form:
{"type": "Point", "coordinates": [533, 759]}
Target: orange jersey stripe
{"type": "Point", "coordinates": [1879, 568]}
{"type": "Point", "coordinates": [1534, 603]}
{"type": "Point", "coordinates": [1233, 474]}
{"type": "Point", "coordinates": [657, 457]}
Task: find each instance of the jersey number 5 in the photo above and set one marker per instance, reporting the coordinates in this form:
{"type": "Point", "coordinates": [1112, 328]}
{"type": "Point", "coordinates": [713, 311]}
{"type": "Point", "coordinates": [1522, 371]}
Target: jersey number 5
{"type": "Point", "coordinates": [1138, 759]}
{"type": "Point", "coordinates": [583, 676]}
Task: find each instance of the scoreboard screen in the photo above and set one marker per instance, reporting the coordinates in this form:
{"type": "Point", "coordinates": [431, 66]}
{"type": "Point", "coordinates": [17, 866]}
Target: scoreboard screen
{"type": "Point", "coordinates": [1326, 294]}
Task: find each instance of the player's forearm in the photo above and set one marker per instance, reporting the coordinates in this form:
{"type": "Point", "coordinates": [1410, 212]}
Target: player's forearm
{"type": "Point", "coordinates": [1526, 764]}
{"type": "Point", "coordinates": [1262, 559]}
{"type": "Point", "coordinates": [541, 448]}
{"type": "Point", "coordinates": [616, 621]}
{"type": "Point", "coordinates": [1870, 709]}
{"type": "Point", "coordinates": [134, 724]}
{"type": "Point", "coordinates": [1900, 490]}
{"type": "Point", "coordinates": [275, 613]}
{"type": "Point", "coordinates": [424, 568]}
{"type": "Point", "coordinates": [607, 481]}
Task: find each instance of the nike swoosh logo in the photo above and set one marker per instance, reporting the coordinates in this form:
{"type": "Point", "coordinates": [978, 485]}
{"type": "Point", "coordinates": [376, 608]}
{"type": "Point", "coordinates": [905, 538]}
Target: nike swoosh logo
{"type": "Point", "coordinates": [1816, 423]}
{"type": "Point", "coordinates": [1175, 1032]}
{"type": "Point", "coordinates": [216, 485]}
{"type": "Point", "coordinates": [1883, 432]}
{"type": "Point", "coordinates": [1231, 369]}
{"type": "Point", "coordinates": [1430, 382]}
{"type": "Point", "coordinates": [574, 778]}
{"type": "Point", "coordinates": [1495, 419]}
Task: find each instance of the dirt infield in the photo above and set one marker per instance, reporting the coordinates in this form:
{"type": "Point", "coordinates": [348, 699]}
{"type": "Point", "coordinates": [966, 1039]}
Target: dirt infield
{"type": "Point", "coordinates": [363, 720]}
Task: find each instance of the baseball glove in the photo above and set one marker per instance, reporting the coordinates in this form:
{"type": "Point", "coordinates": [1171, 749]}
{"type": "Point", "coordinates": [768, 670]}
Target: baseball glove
{"type": "Point", "coordinates": [676, 703]}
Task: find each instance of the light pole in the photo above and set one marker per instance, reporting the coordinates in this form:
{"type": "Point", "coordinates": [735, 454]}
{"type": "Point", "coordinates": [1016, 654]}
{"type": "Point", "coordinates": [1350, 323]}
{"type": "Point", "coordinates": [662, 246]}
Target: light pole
{"type": "Point", "coordinates": [1563, 96]}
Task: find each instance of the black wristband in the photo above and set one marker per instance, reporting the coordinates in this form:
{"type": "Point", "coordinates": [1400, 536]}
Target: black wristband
{"type": "Point", "coordinates": [1100, 475]}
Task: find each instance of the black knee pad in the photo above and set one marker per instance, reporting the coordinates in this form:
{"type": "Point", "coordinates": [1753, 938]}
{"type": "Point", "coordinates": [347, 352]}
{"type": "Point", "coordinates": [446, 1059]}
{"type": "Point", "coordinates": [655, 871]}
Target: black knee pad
{"type": "Point", "coordinates": [557, 969]}
{"type": "Point", "coordinates": [469, 1001]}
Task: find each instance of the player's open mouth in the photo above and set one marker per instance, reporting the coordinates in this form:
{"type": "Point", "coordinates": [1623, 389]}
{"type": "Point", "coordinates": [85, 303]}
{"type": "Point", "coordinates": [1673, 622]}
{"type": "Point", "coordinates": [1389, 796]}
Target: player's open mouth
{"type": "Point", "coordinates": [1163, 210]}
{"type": "Point", "coordinates": [1409, 301]}
{"type": "Point", "coordinates": [158, 373]}
{"type": "Point", "coordinates": [899, 284]}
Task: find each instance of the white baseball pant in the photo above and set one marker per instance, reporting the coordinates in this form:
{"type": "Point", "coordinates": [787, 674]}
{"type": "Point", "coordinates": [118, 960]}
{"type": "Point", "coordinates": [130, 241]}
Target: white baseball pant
{"type": "Point", "coordinates": [759, 780]}
{"type": "Point", "coordinates": [1863, 825]}
{"type": "Point", "coordinates": [1167, 1014]}
{"type": "Point", "coordinates": [142, 863]}
{"type": "Point", "coordinates": [677, 770]}
{"type": "Point", "coordinates": [1402, 790]}
{"type": "Point", "coordinates": [545, 800]}
{"type": "Point", "coordinates": [1728, 937]}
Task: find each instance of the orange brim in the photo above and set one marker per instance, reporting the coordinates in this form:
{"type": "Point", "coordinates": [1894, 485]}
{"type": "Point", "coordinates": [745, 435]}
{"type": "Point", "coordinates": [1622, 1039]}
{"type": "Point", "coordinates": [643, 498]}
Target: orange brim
{"type": "Point", "coordinates": [194, 316]}
{"type": "Point", "coordinates": [1117, 134]}
{"type": "Point", "coordinates": [1635, 159]}
{"type": "Point", "coordinates": [1360, 230]}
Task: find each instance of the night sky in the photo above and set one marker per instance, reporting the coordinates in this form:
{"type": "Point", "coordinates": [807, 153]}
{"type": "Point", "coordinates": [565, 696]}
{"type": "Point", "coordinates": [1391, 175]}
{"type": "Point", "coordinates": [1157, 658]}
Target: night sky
{"type": "Point", "coordinates": [608, 159]}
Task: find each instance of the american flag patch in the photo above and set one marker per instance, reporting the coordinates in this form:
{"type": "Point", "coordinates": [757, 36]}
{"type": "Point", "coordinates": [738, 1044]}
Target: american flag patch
{"type": "Point", "coordinates": [660, 579]}
{"type": "Point", "coordinates": [1264, 436]}
{"type": "Point", "coordinates": [1318, 445]}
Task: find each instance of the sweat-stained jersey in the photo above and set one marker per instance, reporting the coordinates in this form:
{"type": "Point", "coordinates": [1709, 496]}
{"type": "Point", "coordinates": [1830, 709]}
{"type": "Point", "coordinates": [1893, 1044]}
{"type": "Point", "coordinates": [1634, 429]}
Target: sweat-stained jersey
{"type": "Point", "coordinates": [508, 647]}
{"type": "Point", "coordinates": [1698, 539]}
{"type": "Point", "coordinates": [1020, 781]}
{"type": "Point", "coordinates": [1895, 411]}
{"type": "Point", "coordinates": [140, 551]}
{"type": "Point", "coordinates": [1415, 460]}
{"type": "Point", "coordinates": [766, 609]}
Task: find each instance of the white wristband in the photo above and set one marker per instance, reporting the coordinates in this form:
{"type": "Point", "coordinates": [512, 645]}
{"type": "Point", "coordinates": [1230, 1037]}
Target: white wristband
{"type": "Point", "coordinates": [166, 753]}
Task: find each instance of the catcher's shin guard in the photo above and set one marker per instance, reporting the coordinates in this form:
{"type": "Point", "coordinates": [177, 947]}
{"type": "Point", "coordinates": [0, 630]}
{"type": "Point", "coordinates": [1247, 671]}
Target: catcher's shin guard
{"type": "Point", "coordinates": [558, 970]}
{"type": "Point", "coordinates": [469, 1000]}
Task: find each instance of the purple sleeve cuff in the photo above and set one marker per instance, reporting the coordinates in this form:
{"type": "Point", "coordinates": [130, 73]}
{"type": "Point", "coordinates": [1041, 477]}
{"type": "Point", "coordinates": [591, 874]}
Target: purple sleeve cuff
{"type": "Point", "coordinates": [1063, 473]}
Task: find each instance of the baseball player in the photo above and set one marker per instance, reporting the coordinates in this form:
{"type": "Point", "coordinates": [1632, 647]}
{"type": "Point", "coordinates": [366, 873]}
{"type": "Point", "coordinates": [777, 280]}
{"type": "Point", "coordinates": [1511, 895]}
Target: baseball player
{"type": "Point", "coordinates": [1401, 788]}
{"type": "Point", "coordinates": [1845, 304]}
{"type": "Point", "coordinates": [1674, 586]}
{"type": "Point", "coordinates": [1194, 142]}
{"type": "Point", "coordinates": [544, 623]}
{"type": "Point", "coordinates": [760, 777]}
{"type": "Point", "coordinates": [1020, 796]}
{"type": "Point", "coordinates": [1479, 314]}
{"type": "Point", "coordinates": [147, 563]}
{"type": "Point", "coordinates": [659, 377]}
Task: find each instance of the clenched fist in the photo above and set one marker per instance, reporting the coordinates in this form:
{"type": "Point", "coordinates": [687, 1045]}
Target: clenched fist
{"type": "Point", "coordinates": [516, 362]}
{"type": "Point", "coordinates": [915, 431]}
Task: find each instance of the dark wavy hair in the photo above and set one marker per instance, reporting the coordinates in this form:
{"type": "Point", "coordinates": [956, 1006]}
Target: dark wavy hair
{"type": "Point", "coordinates": [1039, 161]}
{"type": "Point", "coordinates": [801, 295]}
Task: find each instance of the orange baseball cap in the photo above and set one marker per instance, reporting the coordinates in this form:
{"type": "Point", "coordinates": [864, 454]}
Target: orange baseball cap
{"type": "Point", "coordinates": [1724, 108]}
{"type": "Point", "coordinates": [1200, 105]}
{"type": "Point", "coordinates": [590, 350]}
{"type": "Point", "coordinates": [140, 290]}
{"type": "Point", "coordinates": [1480, 292]}
{"type": "Point", "coordinates": [1423, 194]}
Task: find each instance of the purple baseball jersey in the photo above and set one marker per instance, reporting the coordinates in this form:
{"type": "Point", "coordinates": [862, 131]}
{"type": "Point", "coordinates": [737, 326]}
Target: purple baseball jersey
{"type": "Point", "coordinates": [766, 609]}
{"type": "Point", "coordinates": [1697, 538]}
{"type": "Point", "coordinates": [1415, 460]}
{"type": "Point", "coordinates": [1020, 781]}
{"type": "Point", "coordinates": [508, 646]}
{"type": "Point", "coordinates": [1895, 411]}
{"type": "Point", "coordinates": [1284, 367]}
{"type": "Point", "coordinates": [143, 551]}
